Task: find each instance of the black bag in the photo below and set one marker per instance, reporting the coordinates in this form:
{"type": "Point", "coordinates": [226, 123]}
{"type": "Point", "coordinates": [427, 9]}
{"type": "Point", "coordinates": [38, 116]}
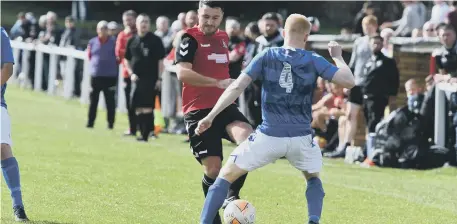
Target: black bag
{"type": "Point", "coordinates": [397, 141]}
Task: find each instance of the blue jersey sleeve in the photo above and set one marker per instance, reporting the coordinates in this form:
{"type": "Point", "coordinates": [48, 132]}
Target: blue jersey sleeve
{"type": "Point", "coordinates": [324, 69]}
{"type": "Point", "coordinates": [7, 52]}
{"type": "Point", "coordinates": [255, 67]}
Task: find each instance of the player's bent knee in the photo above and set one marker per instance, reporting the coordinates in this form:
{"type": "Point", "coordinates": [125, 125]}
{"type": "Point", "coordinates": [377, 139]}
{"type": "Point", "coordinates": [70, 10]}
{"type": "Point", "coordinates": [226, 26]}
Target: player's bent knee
{"type": "Point", "coordinates": [211, 166]}
{"type": "Point", "coordinates": [6, 151]}
{"type": "Point", "coordinates": [231, 172]}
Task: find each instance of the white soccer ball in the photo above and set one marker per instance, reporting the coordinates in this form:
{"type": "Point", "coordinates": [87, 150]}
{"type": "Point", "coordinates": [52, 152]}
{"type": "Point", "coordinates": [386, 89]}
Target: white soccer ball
{"type": "Point", "coordinates": [239, 212]}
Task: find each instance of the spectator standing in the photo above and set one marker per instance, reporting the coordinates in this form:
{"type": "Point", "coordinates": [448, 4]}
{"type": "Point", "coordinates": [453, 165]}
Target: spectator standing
{"type": "Point", "coordinates": [71, 37]}
{"type": "Point", "coordinates": [79, 9]}
{"type": "Point", "coordinates": [361, 54]}
{"type": "Point", "coordinates": [367, 10]}
{"type": "Point", "coordinates": [315, 25]}
{"type": "Point", "coordinates": [50, 36]}
{"type": "Point", "coordinates": [163, 31]}
{"type": "Point", "coordinates": [172, 93]}
{"type": "Point", "coordinates": [113, 29]}
{"type": "Point", "coordinates": [439, 11]}
{"type": "Point", "coordinates": [380, 84]}
{"type": "Point", "coordinates": [191, 19]}
{"type": "Point", "coordinates": [411, 19]}
{"type": "Point", "coordinates": [179, 24]}
{"type": "Point", "coordinates": [171, 86]}
{"type": "Point", "coordinates": [387, 49]}
{"type": "Point", "coordinates": [128, 19]}
{"type": "Point", "coordinates": [251, 32]}
{"type": "Point", "coordinates": [236, 46]}
{"type": "Point", "coordinates": [19, 28]}
{"type": "Point", "coordinates": [144, 61]}
{"type": "Point", "coordinates": [428, 30]}
{"type": "Point", "coordinates": [104, 72]}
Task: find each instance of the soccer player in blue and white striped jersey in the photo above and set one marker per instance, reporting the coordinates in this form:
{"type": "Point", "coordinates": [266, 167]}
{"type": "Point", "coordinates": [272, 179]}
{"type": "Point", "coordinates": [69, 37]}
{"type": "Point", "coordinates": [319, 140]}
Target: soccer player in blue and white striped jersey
{"type": "Point", "coordinates": [288, 75]}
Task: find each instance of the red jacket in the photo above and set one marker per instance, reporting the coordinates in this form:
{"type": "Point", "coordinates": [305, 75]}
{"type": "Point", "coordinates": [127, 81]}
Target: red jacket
{"type": "Point", "coordinates": [121, 44]}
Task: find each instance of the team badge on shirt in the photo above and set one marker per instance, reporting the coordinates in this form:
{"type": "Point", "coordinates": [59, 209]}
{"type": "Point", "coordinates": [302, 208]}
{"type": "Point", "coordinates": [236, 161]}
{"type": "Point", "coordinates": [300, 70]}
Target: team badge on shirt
{"type": "Point", "coordinates": [224, 44]}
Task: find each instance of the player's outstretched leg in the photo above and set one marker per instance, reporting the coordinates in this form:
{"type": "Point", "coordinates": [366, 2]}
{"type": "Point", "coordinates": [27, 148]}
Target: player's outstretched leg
{"type": "Point", "coordinates": [238, 131]}
{"type": "Point", "coordinates": [211, 165]}
{"type": "Point", "coordinates": [315, 197]}
{"type": "Point", "coordinates": [218, 191]}
{"type": "Point", "coordinates": [10, 169]}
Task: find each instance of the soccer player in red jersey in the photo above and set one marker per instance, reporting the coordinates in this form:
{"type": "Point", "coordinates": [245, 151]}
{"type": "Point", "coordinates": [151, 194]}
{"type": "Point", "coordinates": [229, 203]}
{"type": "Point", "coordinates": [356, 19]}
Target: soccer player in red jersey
{"type": "Point", "coordinates": [202, 59]}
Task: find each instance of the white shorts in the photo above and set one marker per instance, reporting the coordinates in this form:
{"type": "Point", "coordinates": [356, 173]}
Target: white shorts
{"type": "Point", "coordinates": [5, 132]}
{"type": "Point", "coordinates": [260, 149]}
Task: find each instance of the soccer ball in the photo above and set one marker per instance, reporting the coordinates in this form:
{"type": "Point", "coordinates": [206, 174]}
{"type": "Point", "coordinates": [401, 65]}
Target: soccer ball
{"type": "Point", "coordinates": [239, 212]}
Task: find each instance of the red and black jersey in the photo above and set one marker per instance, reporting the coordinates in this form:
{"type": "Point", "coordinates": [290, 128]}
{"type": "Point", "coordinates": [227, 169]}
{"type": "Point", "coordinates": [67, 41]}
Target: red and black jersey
{"type": "Point", "coordinates": [239, 45]}
{"type": "Point", "coordinates": [209, 56]}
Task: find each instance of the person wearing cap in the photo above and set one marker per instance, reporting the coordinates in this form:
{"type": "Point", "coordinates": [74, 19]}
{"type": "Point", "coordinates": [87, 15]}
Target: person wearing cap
{"type": "Point", "coordinates": [72, 37]}
{"type": "Point", "coordinates": [113, 29]}
{"type": "Point", "coordinates": [104, 72]}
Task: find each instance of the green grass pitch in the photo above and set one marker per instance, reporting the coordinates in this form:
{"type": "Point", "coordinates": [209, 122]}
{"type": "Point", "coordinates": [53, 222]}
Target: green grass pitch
{"type": "Point", "coordinates": [74, 175]}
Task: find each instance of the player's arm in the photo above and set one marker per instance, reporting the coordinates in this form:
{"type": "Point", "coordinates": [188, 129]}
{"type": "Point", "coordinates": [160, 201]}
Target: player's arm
{"type": "Point", "coordinates": [340, 74]}
{"type": "Point", "coordinates": [343, 75]}
{"type": "Point", "coordinates": [7, 59]}
{"type": "Point", "coordinates": [252, 72]}
{"type": "Point", "coordinates": [185, 54]}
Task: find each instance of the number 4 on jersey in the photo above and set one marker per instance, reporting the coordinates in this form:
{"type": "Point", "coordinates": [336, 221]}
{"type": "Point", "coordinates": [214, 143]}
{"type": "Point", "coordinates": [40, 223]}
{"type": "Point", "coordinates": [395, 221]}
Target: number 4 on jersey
{"type": "Point", "coordinates": [285, 80]}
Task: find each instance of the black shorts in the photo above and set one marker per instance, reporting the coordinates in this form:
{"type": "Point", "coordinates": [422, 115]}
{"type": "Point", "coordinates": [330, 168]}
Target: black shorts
{"type": "Point", "coordinates": [356, 95]}
{"type": "Point", "coordinates": [209, 143]}
{"type": "Point", "coordinates": [143, 95]}
{"type": "Point", "coordinates": [373, 109]}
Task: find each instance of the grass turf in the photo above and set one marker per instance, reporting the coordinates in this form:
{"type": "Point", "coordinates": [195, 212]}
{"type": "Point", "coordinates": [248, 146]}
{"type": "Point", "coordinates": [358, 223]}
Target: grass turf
{"type": "Point", "coordinates": [74, 175]}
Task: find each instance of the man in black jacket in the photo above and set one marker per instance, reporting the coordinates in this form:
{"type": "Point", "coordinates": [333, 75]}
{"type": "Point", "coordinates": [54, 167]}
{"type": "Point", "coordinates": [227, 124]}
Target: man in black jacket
{"type": "Point", "coordinates": [380, 87]}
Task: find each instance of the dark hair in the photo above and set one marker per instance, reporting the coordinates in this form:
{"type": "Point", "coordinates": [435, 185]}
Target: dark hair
{"type": "Point", "coordinates": [129, 13]}
{"type": "Point", "coordinates": [377, 37]}
{"type": "Point", "coordinates": [446, 27]}
{"type": "Point", "coordinates": [254, 28]}
{"type": "Point", "coordinates": [211, 4]}
{"type": "Point", "coordinates": [271, 16]}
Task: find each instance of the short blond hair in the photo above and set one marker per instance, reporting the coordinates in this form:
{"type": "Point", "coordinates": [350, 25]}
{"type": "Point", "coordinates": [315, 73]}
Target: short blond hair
{"type": "Point", "coordinates": [370, 20]}
{"type": "Point", "coordinates": [297, 23]}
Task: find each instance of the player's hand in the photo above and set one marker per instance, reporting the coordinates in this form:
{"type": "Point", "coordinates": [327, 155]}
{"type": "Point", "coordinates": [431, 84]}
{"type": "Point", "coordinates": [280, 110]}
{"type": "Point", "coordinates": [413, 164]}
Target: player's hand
{"type": "Point", "coordinates": [223, 84]}
{"type": "Point", "coordinates": [334, 49]}
{"type": "Point", "coordinates": [203, 125]}
{"type": "Point", "coordinates": [134, 78]}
